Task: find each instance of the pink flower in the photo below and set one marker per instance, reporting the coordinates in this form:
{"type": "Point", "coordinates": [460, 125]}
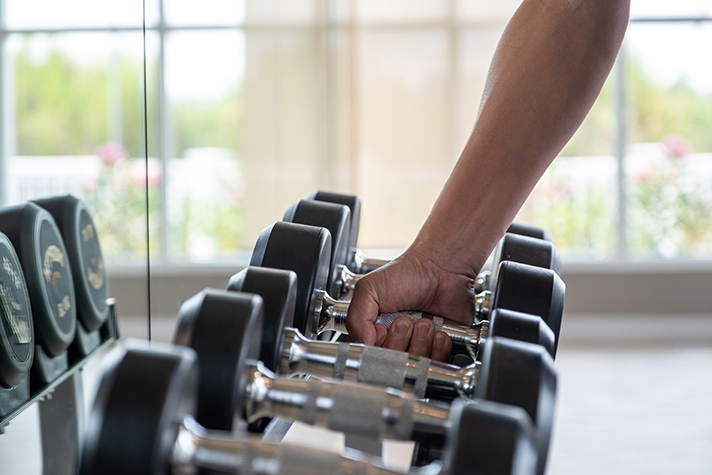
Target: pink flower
{"type": "Point", "coordinates": [645, 173]}
{"type": "Point", "coordinates": [675, 146]}
{"type": "Point", "coordinates": [111, 152]}
{"type": "Point", "coordinates": [137, 172]}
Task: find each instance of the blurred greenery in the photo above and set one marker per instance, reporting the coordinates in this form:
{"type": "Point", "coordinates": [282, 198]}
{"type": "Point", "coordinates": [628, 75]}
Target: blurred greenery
{"type": "Point", "coordinates": [669, 210]}
{"type": "Point", "coordinates": [62, 108]}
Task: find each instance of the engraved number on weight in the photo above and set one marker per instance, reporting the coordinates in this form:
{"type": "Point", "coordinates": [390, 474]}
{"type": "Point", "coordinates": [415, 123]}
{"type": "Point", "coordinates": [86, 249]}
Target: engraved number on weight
{"type": "Point", "coordinates": [19, 326]}
{"type": "Point", "coordinates": [54, 255]}
{"type": "Point", "coordinates": [63, 306]}
{"type": "Point", "coordinates": [96, 279]}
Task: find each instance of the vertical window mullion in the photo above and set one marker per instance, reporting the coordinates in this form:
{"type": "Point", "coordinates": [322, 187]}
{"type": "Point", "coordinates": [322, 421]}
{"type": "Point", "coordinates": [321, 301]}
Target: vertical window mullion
{"type": "Point", "coordinates": [621, 235]}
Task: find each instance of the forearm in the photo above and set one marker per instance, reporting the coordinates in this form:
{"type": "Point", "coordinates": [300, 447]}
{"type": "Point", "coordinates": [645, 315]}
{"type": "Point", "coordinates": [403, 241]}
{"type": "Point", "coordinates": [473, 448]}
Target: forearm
{"type": "Point", "coordinates": [547, 71]}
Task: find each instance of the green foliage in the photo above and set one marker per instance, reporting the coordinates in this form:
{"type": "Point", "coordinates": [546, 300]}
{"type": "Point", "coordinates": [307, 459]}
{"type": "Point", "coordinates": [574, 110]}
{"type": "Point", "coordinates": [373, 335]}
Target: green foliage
{"type": "Point", "coordinates": [62, 107]}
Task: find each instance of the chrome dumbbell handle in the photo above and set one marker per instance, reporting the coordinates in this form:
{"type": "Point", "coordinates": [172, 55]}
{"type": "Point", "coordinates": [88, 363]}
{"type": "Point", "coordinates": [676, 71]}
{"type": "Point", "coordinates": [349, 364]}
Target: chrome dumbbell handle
{"type": "Point", "coordinates": [362, 264]}
{"type": "Point", "coordinates": [375, 366]}
{"type": "Point", "coordinates": [195, 448]}
{"type": "Point", "coordinates": [354, 409]}
{"type": "Point", "coordinates": [330, 315]}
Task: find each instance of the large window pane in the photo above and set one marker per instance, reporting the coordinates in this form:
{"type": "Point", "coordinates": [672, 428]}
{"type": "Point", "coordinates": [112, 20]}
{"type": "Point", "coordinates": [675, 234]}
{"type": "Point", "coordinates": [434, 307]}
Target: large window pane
{"type": "Point", "coordinates": [78, 110]}
{"type": "Point", "coordinates": [669, 158]}
{"type": "Point", "coordinates": [576, 198]}
{"type": "Point", "coordinates": [205, 185]}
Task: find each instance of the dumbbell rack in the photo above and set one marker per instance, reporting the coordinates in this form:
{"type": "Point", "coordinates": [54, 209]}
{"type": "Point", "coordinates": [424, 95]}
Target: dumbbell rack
{"type": "Point", "coordinates": [62, 408]}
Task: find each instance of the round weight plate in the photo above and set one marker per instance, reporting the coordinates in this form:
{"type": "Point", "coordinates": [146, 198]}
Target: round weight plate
{"type": "Point", "coordinates": [531, 290]}
{"type": "Point", "coordinates": [225, 330]}
{"type": "Point", "coordinates": [523, 375]}
{"type": "Point", "coordinates": [487, 437]}
{"type": "Point", "coordinates": [522, 327]}
{"type": "Point", "coordinates": [528, 250]}
{"type": "Point", "coordinates": [17, 335]}
{"type": "Point", "coordinates": [334, 217]}
{"type": "Point", "coordinates": [144, 393]}
{"type": "Point", "coordinates": [354, 204]}
{"type": "Point", "coordinates": [304, 250]}
{"type": "Point", "coordinates": [34, 235]}
{"type": "Point", "coordinates": [278, 289]}
{"type": "Point", "coordinates": [85, 258]}
{"type": "Point", "coordinates": [529, 230]}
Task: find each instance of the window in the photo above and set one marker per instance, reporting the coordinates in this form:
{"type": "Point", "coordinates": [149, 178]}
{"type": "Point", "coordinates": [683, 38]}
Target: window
{"type": "Point", "coordinates": [253, 104]}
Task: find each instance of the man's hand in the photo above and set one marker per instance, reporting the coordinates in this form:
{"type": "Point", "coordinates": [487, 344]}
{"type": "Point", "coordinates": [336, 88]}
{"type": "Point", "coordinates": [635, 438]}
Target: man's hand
{"type": "Point", "coordinates": [412, 282]}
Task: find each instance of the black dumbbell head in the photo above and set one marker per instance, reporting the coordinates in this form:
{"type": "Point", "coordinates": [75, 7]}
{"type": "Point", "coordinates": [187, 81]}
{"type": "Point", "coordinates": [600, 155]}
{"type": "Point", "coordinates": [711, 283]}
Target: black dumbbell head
{"type": "Point", "coordinates": [528, 250]}
{"type": "Point", "coordinates": [523, 375]}
{"type": "Point", "coordinates": [532, 290]}
{"type": "Point", "coordinates": [523, 327]}
{"type": "Point", "coordinates": [529, 230]}
{"type": "Point", "coordinates": [17, 336]}
{"type": "Point", "coordinates": [278, 289]}
{"type": "Point", "coordinates": [489, 438]}
{"type": "Point", "coordinates": [145, 391]}
{"type": "Point", "coordinates": [225, 330]}
{"type": "Point", "coordinates": [80, 237]}
{"type": "Point", "coordinates": [332, 216]}
{"type": "Point", "coordinates": [306, 250]}
{"type": "Point", "coordinates": [354, 204]}
{"type": "Point", "coordinates": [39, 245]}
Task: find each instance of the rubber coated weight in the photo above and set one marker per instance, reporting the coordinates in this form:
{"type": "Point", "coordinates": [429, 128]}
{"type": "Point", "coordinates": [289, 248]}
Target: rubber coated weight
{"type": "Point", "coordinates": [342, 280]}
{"type": "Point", "coordinates": [225, 329]}
{"type": "Point", "coordinates": [336, 219]}
{"type": "Point", "coordinates": [17, 337]}
{"type": "Point", "coordinates": [278, 289]}
{"type": "Point", "coordinates": [303, 249]}
{"type": "Point", "coordinates": [532, 290]}
{"type": "Point", "coordinates": [290, 245]}
{"type": "Point", "coordinates": [528, 250]}
{"type": "Point", "coordinates": [523, 375]}
{"type": "Point", "coordinates": [143, 395]}
{"type": "Point", "coordinates": [80, 237]}
{"type": "Point", "coordinates": [507, 440]}
{"type": "Point", "coordinates": [39, 245]}
{"type": "Point", "coordinates": [521, 327]}
{"type": "Point", "coordinates": [354, 204]}
{"type": "Point", "coordinates": [151, 431]}
{"type": "Point", "coordinates": [217, 334]}
{"type": "Point", "coordinates": [530, 230]}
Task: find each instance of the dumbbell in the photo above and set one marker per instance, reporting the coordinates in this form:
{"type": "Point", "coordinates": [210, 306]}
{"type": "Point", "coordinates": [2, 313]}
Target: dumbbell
{"type": "Point", "coordinates": [336, 218]}
{"type": "Point", "coordinates": [43, 256]}
{"type": "Point", "coordinates": [143, 422]}
{"type": "Point", "coordinates": [358, 262]}
{"type": "Point", "coordinates": [286, 351]}
{"type": "Point", "coordinates": [224, 328]}
{"type": "Point", "coordinates": [17, 337]}
{"type": "Point", "coordinates": [306, 250]}
{"type": "Point", "coordinates": [86, 261]}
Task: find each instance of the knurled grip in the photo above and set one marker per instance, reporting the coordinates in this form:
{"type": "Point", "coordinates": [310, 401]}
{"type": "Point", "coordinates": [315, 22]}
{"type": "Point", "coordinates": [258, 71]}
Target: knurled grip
{"type": "Point", "coordinates": [386, 319]}
{"type": "Point", "coordinates": [383, 367]}
{"type": "Point", "coordinates": [359, 410]}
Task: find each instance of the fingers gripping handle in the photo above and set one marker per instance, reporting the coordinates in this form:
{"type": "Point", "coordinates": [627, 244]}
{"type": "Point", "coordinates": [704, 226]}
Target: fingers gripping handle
{"type": "Point", "coordinates": [387, 319]}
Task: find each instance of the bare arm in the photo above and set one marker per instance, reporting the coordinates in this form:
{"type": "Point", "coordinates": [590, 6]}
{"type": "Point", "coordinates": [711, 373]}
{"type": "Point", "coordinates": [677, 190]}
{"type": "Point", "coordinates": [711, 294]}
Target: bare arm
{"type": "Point", "coordinates": [547, 71]}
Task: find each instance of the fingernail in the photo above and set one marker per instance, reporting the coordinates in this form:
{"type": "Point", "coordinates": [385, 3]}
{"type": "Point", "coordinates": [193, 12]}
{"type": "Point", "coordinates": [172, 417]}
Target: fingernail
{"type": "Point", "coordinates": [421, 332]}
{"type": "Point", "coordinates": [440, 340]}
{"type": "Point", "coordinates": [402, 328]}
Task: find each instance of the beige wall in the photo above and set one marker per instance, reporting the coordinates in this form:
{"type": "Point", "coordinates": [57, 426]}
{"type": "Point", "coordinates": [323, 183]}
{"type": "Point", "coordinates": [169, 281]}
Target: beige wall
{"type": "Point", "coordinates": [363, 97]}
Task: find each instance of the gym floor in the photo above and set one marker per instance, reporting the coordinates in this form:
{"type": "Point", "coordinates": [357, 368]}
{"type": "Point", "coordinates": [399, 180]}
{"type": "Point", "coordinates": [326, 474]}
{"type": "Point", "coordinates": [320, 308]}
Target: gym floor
{"type": "Point", "coordinates": [622, 410]}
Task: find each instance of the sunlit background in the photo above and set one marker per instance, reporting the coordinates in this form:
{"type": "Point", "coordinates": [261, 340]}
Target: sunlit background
{"type": "Point", "coordinates": [252, 105]}
{"type": "Point", "coordinates": [189, 136]}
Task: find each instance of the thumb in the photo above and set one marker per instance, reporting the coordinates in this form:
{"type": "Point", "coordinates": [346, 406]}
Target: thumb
{"type": "Point", "coordinates": [362, 314]}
